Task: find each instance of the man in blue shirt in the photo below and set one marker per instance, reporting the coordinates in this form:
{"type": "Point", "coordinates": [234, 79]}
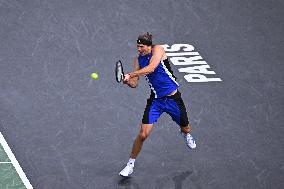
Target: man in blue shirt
{"type": "Point", "coordinates": [153, 63]}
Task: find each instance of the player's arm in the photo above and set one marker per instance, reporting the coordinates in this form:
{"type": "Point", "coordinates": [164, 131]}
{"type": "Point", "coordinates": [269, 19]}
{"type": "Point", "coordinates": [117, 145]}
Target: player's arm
{"type": "Point", "coordinates": [133, 82]}
{"type": "Point", "coordinates": [158, 52]}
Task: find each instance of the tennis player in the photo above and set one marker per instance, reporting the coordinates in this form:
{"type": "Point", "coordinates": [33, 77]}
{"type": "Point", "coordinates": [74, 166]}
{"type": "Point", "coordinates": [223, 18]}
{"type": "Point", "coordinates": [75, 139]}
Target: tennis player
{"type": "Point", "coordinates": [153, 63]}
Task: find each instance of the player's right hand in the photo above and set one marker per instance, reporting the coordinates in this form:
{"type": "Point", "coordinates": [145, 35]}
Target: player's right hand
{"type": "Point", "coordinates": [126, 79]}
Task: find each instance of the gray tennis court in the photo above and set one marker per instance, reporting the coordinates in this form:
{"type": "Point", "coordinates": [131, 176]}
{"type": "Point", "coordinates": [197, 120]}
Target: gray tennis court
{"type": "Point", "coordinates": [67, 130]}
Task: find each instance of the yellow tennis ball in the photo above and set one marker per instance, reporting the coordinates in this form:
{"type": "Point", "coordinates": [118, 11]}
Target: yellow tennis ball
{"type": "Point", "coordinates": [94, 76]}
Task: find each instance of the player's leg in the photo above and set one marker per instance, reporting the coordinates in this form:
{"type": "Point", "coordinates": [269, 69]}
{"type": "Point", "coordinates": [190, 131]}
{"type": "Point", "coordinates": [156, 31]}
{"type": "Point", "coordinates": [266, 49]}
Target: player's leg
{"type": "Point", "coordinates": [176, 109]}
{"type": "Point", "coordinates": [142, 136]}
{"type": "Point", "coordinates": [136, 148]}
{"type": "Point", "coordinates": [151, 114]}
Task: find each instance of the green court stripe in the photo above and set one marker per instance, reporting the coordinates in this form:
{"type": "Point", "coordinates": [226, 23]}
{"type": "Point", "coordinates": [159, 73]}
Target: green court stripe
{"type": "Point", "coordinates": [15, 163]}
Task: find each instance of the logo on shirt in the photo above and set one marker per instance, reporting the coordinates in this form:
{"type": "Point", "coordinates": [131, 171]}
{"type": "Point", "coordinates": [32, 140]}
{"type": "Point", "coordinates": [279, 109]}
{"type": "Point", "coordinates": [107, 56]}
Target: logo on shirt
{"type": "Point", "coordinates": [190, 62]}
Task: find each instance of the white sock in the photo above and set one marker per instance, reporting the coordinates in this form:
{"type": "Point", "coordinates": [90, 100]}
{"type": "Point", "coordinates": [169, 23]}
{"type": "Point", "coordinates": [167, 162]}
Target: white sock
{"type": "Point", "coordinates": [131, 161]}
{"type": "Point", "coordinates": [184, 134]}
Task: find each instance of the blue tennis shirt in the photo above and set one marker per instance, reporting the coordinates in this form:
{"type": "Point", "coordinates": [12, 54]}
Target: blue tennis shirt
{"type": "Point", "coordinates": [162, 81]}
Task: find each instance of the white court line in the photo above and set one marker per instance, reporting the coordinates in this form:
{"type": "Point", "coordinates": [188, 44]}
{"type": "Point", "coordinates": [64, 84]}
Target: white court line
{"type": "Point", "coordinates": [15, 163]}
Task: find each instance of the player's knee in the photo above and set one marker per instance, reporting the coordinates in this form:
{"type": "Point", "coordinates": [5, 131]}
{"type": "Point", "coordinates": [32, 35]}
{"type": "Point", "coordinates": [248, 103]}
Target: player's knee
{"type": "Point", "coordinates": [142, 136]}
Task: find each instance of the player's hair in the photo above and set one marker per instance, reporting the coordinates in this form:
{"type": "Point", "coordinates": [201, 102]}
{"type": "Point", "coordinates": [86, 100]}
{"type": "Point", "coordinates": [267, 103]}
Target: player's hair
{"type": "Point", "coordinates": [145, 39]}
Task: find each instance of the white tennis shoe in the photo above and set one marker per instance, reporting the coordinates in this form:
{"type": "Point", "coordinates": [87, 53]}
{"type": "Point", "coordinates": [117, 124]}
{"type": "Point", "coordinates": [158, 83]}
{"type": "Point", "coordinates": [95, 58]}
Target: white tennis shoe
{"type": "Point", "coordinates": [189, 140]}
{"type": "Point", "coordinates": [127, 170]}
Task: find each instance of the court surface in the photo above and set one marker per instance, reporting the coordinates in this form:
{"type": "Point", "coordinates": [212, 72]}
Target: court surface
{"type": "Point", "coordinates": [69, 131]}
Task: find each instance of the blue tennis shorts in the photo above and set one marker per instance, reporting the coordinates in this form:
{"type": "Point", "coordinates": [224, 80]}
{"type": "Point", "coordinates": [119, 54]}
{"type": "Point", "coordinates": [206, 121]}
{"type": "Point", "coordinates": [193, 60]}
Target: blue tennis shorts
{"type": "Point", "coordinates": [172, 105]}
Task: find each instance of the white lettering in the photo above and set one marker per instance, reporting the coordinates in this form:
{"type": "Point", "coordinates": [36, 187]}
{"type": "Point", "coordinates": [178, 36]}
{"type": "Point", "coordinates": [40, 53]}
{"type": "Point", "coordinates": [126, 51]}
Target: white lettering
{"type": "Point", "coordinates": [197, 69]}
{"type": "Point", "coordinates": [199, 78]}
{"type": "Point", "coordinates": [181, 61]}
{"type": "Point", "coordinates": [184, 55]}
{"type": "Point", "coordinates": [178, 47]}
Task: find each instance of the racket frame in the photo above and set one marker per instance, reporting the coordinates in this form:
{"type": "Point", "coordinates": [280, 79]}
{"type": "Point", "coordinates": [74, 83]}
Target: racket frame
{"type": "Point", "coordinates": [119, 64]}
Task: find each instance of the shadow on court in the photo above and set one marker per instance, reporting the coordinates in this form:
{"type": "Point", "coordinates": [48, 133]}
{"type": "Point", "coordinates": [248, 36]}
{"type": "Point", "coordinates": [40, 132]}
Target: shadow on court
{"type": "Point", "coordinates": [178, 180]}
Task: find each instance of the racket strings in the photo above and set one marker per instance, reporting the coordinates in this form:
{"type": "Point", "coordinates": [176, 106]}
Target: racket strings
{"type": "Point", "coordinates": [119, 71]}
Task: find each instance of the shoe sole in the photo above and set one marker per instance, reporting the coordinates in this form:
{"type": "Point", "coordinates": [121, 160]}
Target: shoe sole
{"type": "Point", "coordinates": [191, 147]}
{"type": "Point", "coordinates": [127, 175]}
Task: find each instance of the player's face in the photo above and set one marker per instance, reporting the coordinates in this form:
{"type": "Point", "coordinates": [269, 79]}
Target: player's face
{"type": "Point", "coordinates": [142, 49]}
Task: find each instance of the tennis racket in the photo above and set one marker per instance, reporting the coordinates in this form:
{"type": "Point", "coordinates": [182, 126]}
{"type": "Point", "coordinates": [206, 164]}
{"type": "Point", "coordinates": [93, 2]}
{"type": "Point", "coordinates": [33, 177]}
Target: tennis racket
{"type": "Point", "coordinates": [119, 74]}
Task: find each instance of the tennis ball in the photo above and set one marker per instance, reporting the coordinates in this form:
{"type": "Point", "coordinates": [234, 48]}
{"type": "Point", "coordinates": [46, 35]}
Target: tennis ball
{"type": "Point", "coordinates": [94, 76]}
